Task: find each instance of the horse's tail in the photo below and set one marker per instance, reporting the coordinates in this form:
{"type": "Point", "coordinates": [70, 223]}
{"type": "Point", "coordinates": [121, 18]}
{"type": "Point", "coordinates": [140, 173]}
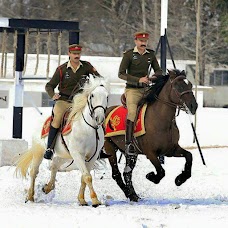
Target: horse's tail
{"type": "Point", "coordinates": [34, 154]}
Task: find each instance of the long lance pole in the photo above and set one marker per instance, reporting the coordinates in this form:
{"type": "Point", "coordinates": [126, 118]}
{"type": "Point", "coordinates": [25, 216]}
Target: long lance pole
{"type": "Point", "coordinates": [194, 132]}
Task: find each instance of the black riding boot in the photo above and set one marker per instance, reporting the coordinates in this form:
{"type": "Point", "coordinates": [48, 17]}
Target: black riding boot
{"type": "Point", "coordinates": [129, 147]}
{"type": "Point", "coordinates": [103, 155]}
{"type": "Point", "coordinates": [51, 143]}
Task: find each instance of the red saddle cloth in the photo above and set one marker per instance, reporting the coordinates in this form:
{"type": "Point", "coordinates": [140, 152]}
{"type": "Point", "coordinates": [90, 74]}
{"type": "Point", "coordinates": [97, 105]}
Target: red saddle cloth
{"type": "Point", "coordinates": [65, 129]}
{"type": "Point", "coordinates": [115, 123]}
{"type": "Point", "coordinates": [46, 127]}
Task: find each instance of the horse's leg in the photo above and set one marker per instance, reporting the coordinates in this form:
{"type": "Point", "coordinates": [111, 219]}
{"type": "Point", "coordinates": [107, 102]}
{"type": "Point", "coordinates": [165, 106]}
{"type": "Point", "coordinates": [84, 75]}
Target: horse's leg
{"type": "Point", "coordinates": [186, 173]}
{"type": "Point", "coordinates": [86, 176]}
{"type": "Point", "coordinates": [81, 195]}
{"type": "Point", "coordinates": [155, 178]}
{"type": "Point", "coordinates": [130, 165]}
{"type": "Point", "coordinates": [55, 165]}
{"type": "Point", "coordinates": [88, 180]}
{"type": "Point", "coordinates": [116, 175]}
{"type": "Point", "coordinates": [36, 161]}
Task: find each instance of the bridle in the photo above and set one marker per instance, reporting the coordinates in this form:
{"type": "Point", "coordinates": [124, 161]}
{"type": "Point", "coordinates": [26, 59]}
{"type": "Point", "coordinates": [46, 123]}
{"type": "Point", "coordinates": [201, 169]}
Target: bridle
{"type": "Point", "coordinates": [92, 110]}
{"type": "Point", "coordinates": [180, 105]}
{"type": "Point", "coordinates": [96, 127]}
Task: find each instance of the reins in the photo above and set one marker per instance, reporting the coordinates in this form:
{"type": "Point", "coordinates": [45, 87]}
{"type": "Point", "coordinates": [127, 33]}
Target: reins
{"type": "Point", "coordinates": [91, 113]}
{"type": "Point", "coordinates": [181, 105]}
{"type": "Point", "coordinates": [92, 110]}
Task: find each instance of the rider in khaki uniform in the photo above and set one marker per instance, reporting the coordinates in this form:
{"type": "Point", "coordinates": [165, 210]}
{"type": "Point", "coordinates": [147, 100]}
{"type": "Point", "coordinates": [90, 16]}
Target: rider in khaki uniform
{"type": "Point", "coordinates": [134, 70]}
{"type": "Point", "coordinates": [66, 77]}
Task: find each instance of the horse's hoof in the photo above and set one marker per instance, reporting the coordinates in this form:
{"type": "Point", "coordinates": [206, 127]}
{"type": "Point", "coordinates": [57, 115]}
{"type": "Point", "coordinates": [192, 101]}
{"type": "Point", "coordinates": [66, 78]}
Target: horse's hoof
{"type": "Point", "coordinates": [181, 178]}
{"type": "Point", "coordinates": [45, 189]}
{"type": "Point", "coordinates": [96, 205]}
{"type": "Point", "coordinates": [178, 181]}
{"type": "Point", "coordinates": [83, 204]}
{"type": "Point", "coordinates": [134, 198]}
{"type": "Point", "coordinates": [152, 177]}
{"type": "Point", "coordinates": [31, 200]}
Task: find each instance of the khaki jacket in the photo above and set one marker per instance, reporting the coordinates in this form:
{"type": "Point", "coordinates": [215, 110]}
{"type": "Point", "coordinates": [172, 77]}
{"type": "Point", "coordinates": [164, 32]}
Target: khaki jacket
{"type": "Point", "coordinates": [134, 66]}
{"type": "Point", "coordinates": [66, 79]}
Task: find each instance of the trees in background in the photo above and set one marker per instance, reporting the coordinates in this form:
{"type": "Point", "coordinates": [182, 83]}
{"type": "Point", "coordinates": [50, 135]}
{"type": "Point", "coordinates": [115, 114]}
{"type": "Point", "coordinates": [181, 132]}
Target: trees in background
{"type": "Point", "coordinates": [107, 26]}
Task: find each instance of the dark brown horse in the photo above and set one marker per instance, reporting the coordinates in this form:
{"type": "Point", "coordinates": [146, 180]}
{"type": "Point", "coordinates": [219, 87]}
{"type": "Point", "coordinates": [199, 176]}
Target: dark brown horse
{"type": "Point", "coordinates": [162, 134]}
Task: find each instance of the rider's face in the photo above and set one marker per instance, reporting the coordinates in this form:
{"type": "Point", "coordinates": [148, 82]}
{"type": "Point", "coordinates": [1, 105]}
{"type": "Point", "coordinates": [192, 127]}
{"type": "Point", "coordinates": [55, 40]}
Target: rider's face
{"type": "Point", "coordinates": [74, 57]}
{"type": "Point", "coordinates": [141, 43]}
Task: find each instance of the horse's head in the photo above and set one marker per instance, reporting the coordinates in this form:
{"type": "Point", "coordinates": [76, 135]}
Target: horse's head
{"type": "Point", "coordinates": [97, 98]}
{"type": "Point", "coordinates": [181, 90]}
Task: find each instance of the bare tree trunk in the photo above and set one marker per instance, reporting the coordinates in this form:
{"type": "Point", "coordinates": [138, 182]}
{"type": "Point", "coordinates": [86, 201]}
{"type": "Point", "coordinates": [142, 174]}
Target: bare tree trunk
{"type": "Point", "coordinates": [198, 38]}
{"type": "Point", "coordinates": [156, 20]}
{"type": "Point", "coordinates": [143, 14]}
{"type": "Point", "coordinates": [21, 9]}
{"type": "Point", "coordinates": [198, 47]}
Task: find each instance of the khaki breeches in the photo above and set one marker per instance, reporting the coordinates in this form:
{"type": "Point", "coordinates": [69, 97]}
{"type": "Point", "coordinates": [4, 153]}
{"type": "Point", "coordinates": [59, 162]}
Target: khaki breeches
{"type": "Point", "coordinates": [133, 96]}
{"type": "Point", "coordinates": [59, 109]}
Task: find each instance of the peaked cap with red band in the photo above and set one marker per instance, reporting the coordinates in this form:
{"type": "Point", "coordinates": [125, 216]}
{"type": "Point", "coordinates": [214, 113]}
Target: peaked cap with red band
{"type": "Point", "coordinates": [75, 48]}
{"type": "Point", "coordinates": [141, 35]}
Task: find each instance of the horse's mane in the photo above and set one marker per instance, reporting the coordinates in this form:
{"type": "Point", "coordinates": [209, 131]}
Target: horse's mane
{"type": "Point", "coordinates": [159, 84]}
{"type": "Point", "coordinates": [156, 88]}
{"type": "Point", "coordinates": [80, 99]}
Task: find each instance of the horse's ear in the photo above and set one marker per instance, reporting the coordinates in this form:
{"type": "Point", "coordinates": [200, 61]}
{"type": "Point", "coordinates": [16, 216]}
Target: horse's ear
{"type": "Point", "coordinates": [183, 73]}
{"type": "Point", "coordinates": [172, 73]}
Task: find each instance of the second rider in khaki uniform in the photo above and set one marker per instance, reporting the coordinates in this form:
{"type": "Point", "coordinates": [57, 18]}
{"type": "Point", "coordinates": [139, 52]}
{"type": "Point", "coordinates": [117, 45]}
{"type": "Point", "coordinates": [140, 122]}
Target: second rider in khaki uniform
{"type": "Point", "coordinates": [134, 70]}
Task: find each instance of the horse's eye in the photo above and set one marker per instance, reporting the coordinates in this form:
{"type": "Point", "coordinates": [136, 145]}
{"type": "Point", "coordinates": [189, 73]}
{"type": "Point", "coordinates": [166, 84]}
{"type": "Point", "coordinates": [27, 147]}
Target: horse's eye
{"type": "Point", "coordinates": [92, 95]}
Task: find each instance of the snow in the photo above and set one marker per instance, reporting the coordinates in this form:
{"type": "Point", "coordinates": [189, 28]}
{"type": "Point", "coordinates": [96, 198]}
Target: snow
{"type": "Point", "coordinates": [200, 202]}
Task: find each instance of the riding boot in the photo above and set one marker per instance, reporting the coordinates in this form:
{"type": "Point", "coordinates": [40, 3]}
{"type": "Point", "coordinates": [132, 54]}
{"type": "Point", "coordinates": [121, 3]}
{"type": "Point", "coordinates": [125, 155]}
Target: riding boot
{"type": "Point", "coordinates": [51, 143]}
{"type": "Point", "coordinates": [129, 146]}
{"type": "Point", "coordinates": [103, 155]}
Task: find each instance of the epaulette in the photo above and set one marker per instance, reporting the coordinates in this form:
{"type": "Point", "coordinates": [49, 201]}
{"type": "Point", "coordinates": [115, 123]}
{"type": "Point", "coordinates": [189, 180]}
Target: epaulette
{"type": "Point", "coordinates": [151, 50]}
{"type": "Point", "coordinates": [128, 50]}
{"type": "Point", "coordinates": [63, 65]}
{"type": "Point", "coordinates": [86, 62]}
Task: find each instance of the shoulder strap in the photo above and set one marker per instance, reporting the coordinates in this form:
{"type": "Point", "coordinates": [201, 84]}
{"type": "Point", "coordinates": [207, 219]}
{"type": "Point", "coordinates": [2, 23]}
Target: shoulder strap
{"type": "Point", "coordinates": [61, 74]}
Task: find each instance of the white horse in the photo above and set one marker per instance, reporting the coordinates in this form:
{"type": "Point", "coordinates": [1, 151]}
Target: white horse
{"type": "Point", "coordinates": [83, 143]}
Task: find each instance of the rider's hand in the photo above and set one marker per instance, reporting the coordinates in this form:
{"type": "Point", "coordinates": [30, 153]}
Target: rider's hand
{"type": "Point", "coordinates": [56, 96]}
{"type": "Point", "coordinates": [144, 80]}
{"type": "Point", "coordinates": [153, 78]}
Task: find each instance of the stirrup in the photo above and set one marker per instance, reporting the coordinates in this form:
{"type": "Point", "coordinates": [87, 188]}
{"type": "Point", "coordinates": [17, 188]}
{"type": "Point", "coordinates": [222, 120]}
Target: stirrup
{"type": "Point", "coordinates": [49, 154]}
{"type": "Point", "coordinates": [130, 149]}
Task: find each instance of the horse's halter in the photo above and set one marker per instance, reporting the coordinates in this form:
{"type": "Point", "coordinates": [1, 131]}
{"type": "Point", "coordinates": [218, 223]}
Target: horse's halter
{"type": "Point", "coordinates": [180, 104]}
{"type": "Point", "coordinates": [177, 93]}
{"type": "Point", "coordinates": [92, 109]}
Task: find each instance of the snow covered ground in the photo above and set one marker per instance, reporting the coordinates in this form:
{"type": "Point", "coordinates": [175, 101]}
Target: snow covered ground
{"type": "Point", "coordinates": [201, 202]}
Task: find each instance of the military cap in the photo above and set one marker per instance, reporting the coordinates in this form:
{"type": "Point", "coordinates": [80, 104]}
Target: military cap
{"type": "Point", "coordinates": [75, 48]}
{"type": "Point", "coordinates": [141, 35]}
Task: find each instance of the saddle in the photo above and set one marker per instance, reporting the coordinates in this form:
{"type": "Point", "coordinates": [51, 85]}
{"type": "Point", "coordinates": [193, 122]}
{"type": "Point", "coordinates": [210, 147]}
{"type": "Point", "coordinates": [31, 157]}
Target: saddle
{"type": "Point", "coordinates": [115, 123]}
{"type": "Point", "coordinates": [65, 127]}
{"type": "Point", "coordinates": [123, 100]}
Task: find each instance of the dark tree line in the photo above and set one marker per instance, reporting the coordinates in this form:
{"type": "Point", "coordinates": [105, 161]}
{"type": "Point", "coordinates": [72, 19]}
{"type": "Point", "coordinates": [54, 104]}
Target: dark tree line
{"type": "Point", "coordinates": [107, 26]}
